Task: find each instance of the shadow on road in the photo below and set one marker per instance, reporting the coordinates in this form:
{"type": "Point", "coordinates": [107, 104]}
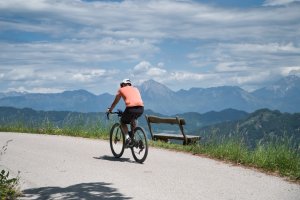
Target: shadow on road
{"type": "Point", "coordinates": [98, 190]}
{"type": "Point", "coordinates": [111, 158]}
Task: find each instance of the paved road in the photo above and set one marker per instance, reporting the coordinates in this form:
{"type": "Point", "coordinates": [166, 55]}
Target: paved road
{"type": "Point", "coordinates": [59, 167]}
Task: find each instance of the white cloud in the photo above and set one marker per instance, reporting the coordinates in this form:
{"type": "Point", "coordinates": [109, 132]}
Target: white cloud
{"type": "Point", "coordinates": [232, 67]}
{"type": "Point", "coordinates": [80, 52]}
{"type": "Point", "coordinates": [35, 90]}
{"type": "Point", "coordinates": [88, 75]}
{"type": "Point", "coordinates": [19, 74]}
{"type": "Point", "coordinates": [81, 42]}
{"type": "Point", "coordinates": [293, 70]}
{"type": "Point", "coordinates": [278, 2]}
{"type": "Point", "coordinates": [59, 79]}
{"type": "Point", "coordinates": [246, 56]}
{"type": "Point", "coordinates": [186, 76]}
{"type": "Point", "coordinates": [142, 67]}
{"type": "Point", "coordinates": [143, 19]}
{"type": "Point", "coordinates": [146, 70]}
{"type": "Point", "coordinates": [247, 65]}
{"type": "Point", "coordinates": [155, 71]}
{"type": "Point", "coordinates": [264, 48]}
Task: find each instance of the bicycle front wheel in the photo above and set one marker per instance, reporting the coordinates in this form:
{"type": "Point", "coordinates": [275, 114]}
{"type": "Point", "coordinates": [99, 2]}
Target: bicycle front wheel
{"type": "Point", "coordinates": [140, 148]}
{"type": "Point", "coordinates": [117, 140]}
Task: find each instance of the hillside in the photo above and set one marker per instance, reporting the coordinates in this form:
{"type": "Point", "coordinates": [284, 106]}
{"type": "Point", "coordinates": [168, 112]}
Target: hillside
{"type": "Point", "coordinates": [260, 126]}
{"type": "Point", "coordinates": [30, 117]}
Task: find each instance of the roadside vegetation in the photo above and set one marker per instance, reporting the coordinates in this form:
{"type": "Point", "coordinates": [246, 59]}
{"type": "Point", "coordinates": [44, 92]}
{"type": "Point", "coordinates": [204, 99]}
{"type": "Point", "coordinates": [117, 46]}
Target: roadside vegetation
{"type": "Point", "coordinates": [8, 186]}
{"type": "Point", "coordinates": [97, 130]}
{"type": "Point", "coordinates": [278, 156]}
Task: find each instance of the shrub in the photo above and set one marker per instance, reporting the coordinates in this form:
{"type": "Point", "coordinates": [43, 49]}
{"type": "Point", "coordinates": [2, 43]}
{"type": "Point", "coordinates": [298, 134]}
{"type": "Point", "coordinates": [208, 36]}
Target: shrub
{"type": "Point", "coordinates": [8, 186]}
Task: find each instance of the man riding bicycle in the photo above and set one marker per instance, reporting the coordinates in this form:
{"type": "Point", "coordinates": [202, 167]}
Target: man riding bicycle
{"type": "Point", "coordinates": [134, 106]}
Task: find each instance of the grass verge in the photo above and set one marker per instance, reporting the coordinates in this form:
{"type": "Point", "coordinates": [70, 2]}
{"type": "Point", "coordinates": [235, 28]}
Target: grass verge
{"type": "Point", "coordinates": [278, 158]}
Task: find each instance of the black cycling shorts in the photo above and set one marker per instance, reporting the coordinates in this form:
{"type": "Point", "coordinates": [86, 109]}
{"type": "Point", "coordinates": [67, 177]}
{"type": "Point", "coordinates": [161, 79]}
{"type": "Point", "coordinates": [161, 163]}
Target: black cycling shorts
{"type": "Point", "coordinates": [131, 113]}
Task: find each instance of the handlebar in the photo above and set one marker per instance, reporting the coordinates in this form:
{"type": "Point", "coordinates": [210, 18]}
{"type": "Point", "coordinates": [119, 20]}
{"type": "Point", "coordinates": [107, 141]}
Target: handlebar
{"type": "Point", "coordinates": [119, 113]}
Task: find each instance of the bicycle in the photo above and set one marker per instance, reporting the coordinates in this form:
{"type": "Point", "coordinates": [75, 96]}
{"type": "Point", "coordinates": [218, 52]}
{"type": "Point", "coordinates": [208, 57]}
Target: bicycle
{"type": "Point", "coordinates": [138, 146]}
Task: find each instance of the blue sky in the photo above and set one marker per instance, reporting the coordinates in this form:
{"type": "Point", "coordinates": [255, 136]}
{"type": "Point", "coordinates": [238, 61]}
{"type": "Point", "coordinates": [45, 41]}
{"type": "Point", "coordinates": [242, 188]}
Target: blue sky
{"type": "Point", "coordinates": [52, 46]}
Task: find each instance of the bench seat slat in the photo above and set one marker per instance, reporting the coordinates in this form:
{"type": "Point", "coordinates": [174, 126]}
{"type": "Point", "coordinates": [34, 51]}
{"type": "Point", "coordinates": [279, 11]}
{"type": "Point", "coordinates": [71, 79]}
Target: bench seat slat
{"type": "Point", "coordinates": [174, 136]}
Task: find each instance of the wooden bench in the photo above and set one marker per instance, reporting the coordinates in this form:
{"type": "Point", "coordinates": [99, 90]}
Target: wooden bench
{"type": "Point", "coordinates": [187, 139]}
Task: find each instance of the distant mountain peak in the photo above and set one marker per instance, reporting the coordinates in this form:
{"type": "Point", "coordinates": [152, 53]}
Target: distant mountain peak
{"type": "Point", "coordinates": [292, 78]}
{"type": "Point", "coordinates": [80, 92]}
{"type": "Point", "coordinates": [285, 84]}
{"type": "Point", "coordinates": [286, 87]}
{"type": "Point", "coordinates": [289, 81]}
{"type": "Point", "coordinates": [152, 85]}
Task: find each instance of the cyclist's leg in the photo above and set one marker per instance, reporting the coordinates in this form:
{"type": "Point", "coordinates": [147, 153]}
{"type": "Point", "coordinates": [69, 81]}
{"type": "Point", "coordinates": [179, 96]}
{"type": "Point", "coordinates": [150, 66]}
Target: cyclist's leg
{"type": "Point", "coordinates": [125, 119]}
{"type": "Point", "coordinates": [124, 128]}
{"type": "Point", "coordinates": [136, 113]}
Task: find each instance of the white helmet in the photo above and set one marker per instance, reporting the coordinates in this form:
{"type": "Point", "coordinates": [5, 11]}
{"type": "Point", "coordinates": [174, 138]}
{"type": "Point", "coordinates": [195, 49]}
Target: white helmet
{"type": "Point", "coordinates": [126, 81]}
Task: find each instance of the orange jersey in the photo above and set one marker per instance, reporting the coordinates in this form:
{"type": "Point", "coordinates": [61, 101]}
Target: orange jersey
{"type": "Point", "coordinates": [131, 96]}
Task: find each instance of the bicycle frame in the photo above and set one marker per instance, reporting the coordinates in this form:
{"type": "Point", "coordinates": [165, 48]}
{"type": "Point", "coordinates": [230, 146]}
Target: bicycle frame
{"type": "Point", "coordinates": [139, 148]}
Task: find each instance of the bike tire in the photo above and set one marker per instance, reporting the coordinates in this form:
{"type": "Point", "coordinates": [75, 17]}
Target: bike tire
{"type": "Point", "coordinates": [116, 140]}
{"type": "Point", "coordinates": [140, 145]}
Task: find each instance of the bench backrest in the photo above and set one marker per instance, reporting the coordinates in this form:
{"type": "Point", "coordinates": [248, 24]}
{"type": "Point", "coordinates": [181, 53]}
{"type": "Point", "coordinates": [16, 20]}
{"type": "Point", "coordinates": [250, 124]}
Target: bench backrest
{"type": "Point", "coordinates": [158, 120]}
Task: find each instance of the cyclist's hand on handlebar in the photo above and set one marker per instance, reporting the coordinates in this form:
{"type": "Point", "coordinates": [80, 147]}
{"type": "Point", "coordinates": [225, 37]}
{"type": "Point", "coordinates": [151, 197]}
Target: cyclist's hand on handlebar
{"type": "Point", "coordinates": [108, 110]}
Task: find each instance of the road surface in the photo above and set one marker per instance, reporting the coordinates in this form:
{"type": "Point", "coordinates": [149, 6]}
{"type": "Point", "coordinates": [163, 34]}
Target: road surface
{"type": "Point", "coordinates": [60, 167]}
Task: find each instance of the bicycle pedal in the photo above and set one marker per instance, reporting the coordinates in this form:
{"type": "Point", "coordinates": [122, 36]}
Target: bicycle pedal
{"type": "Point", "coordinates": [128, 143]}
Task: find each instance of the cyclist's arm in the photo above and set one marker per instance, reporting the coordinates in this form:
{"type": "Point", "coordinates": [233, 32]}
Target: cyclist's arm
{"type": "Point", "coordinates": [116, 101]}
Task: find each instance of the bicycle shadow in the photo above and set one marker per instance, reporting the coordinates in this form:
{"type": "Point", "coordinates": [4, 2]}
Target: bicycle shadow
{"type": "Point", "coordinates": [98, 190]}
{"type": "Point", "coordinates": [111, 158]}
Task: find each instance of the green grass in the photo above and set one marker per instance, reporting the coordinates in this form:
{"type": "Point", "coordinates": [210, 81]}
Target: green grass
{"type": "Point", "coordinates": [96, 130]}
{"type": "Point", "coordinates": [278, 156]}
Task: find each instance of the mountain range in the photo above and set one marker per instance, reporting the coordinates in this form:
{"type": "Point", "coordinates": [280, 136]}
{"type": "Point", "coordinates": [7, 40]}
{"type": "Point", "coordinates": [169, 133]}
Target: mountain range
{"type": "Point", "coordinates": [283, 95]}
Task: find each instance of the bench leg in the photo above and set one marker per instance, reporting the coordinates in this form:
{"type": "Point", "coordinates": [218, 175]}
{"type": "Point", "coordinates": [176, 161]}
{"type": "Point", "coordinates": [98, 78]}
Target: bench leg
{"type": "Point", "coordinates": [189, 141]}
{"type": "Point", "coordinates": [163, 140]}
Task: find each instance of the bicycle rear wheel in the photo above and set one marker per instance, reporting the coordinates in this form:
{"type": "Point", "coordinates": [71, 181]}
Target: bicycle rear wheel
{"type": "Point", "coordinates": [117, 140]}
{"type": "Point", "coordinates": [140, 148]}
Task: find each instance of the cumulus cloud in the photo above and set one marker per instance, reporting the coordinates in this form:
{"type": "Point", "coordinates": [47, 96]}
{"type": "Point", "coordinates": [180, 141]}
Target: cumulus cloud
{"type": "Point", "coordinates": [172, 77]}
{"type": "Point", "coordinates": [46, 80]}
{"type": "Point", "coordinates": [85, 41]}
{"type": "Point", "coordinates": [247, 61]}
{"type": "Point", "coordinates": [88, 75]}
{"type": "Point", "coordinates": [278, 2]}
{"type": "Point", "coordinates": [142, 19]}
{"type": "Point", "coordinates": [142, 67]}
{"type": "Point", "coordinates": [35, 89]}
{"type": "Point", "coordinates": [264, 48]}
{"type": "Point", "coordinates": [106, 49]}
{"type": "Point", "coordinates": [145, 70]}
{"type": "Point", "coordinates": [293, 70]}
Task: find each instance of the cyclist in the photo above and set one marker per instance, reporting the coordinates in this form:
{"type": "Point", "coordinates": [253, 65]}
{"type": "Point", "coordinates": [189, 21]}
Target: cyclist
{"type": "Point", "coordinates": [134, 106]}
